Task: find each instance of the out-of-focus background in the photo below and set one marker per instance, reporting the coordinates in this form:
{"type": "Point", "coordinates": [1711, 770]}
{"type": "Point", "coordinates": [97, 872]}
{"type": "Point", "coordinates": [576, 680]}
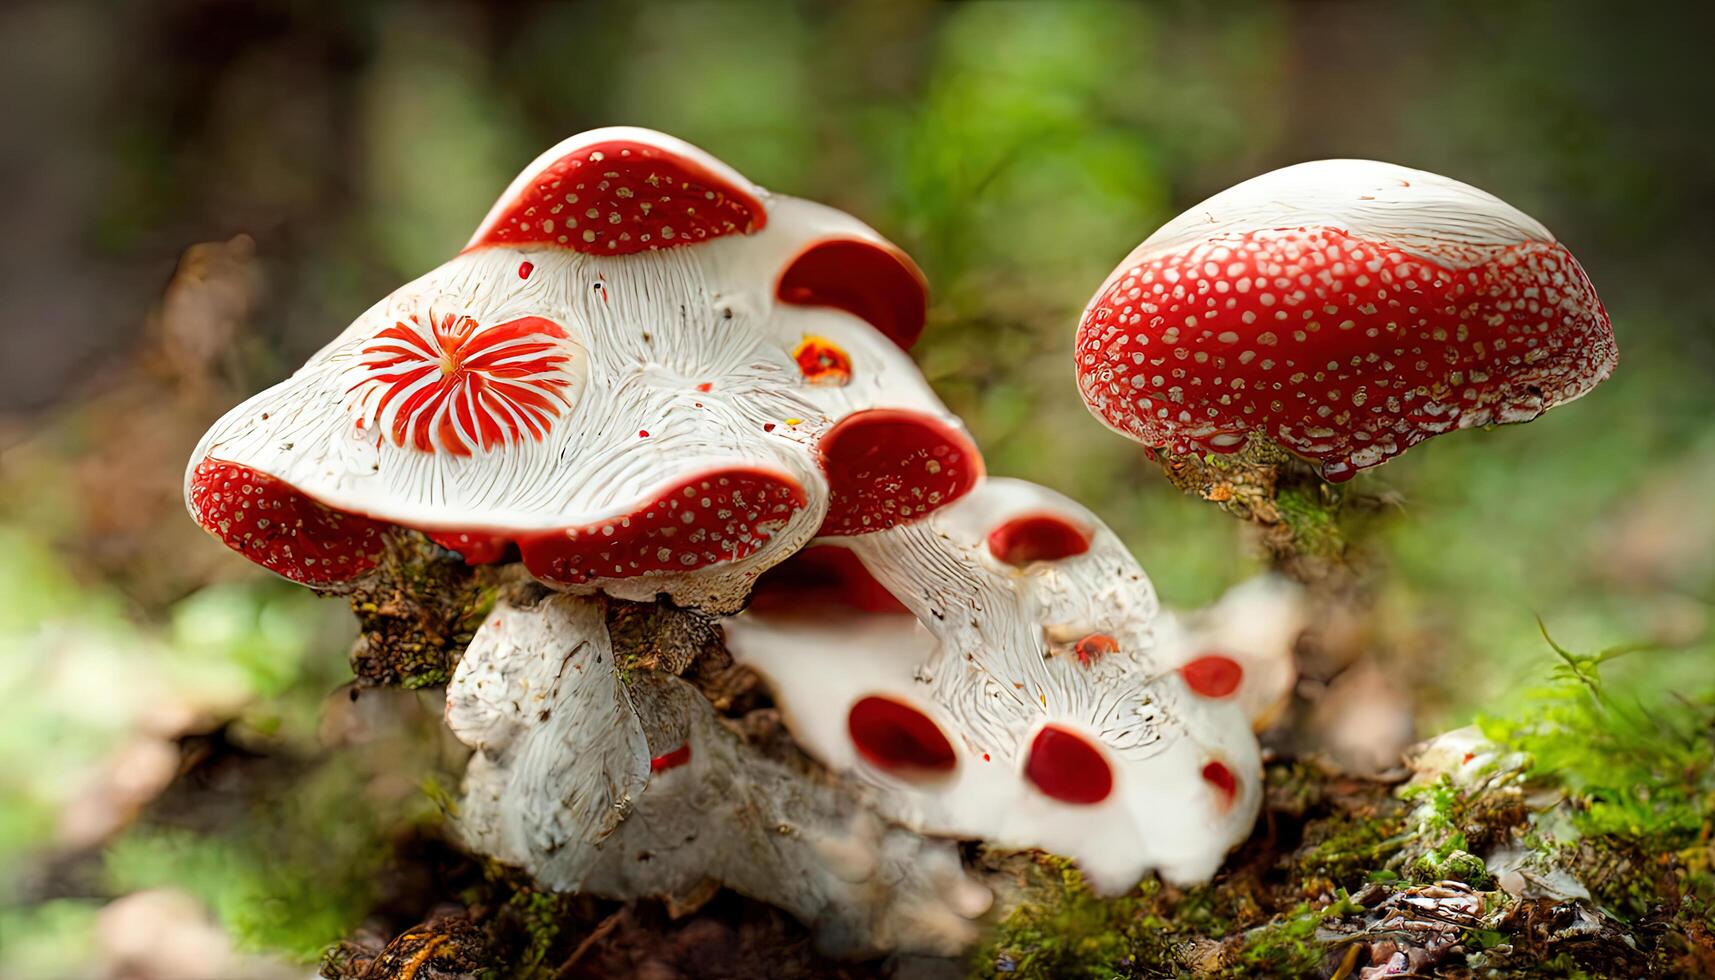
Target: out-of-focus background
{"type": "Point", "coordinates": [197, 195]}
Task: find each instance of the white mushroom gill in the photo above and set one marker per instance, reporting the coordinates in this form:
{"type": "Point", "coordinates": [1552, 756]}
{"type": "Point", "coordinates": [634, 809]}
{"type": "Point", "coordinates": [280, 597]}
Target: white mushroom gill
{"type": "Point", "coordinates": [1032, 697]}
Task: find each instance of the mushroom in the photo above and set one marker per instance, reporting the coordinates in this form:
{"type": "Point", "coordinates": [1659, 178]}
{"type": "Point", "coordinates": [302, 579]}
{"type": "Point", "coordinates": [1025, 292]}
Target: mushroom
{"type": "Point", "coordinates": [1022, 688]}
{"type": "Point", "coordinates": [644, 373]}
{"type": "Point", "coordinates": [635, 789]}
{"type": "Point", "coordinates": [1242, 647]}
{"type": "Point", "coordinates": [1345, 310]}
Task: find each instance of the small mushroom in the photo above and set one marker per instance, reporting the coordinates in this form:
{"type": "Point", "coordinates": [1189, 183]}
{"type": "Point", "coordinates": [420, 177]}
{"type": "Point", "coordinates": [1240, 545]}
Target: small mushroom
{"type": "Point", "coordinates": [644, 374]}
{"type": "Point", "coordinates": [1022, 688]}
{"type": "Point", "coordinates": [1242, 647]}
{"type": "Point", "coordinates": [1345, 310]}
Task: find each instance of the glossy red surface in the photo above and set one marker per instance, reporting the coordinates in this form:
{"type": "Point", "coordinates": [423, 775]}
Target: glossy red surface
{"type": "Point", "coordinates": [1037, 537]}
{"type": "Point", "coordinates": [475, 548]}
{"type": "Point", "coordinates": [1213, 675]}
{"type": "Point", "coordinates": [1066, 767]}
{"type": "Point", "coordinates": [876, 283]}
{"type": "Point", "coordinates": [715, 517]}
{"type": "Point", "coordinates": [888, 467]}
{"type": "Point", "coordinates": [823, 362]}
{"type": "Point", "coordinates": [274, 525]}
{"type": "Point", "coordinates": [894, 736]}
{"type": "Point", "coordinates": [1344, 350]}
{"type": "Point", "coordinates": [820, 578]}
{"type": "Point", "coordinates": [1226, 785]}
{"type": "Point", "coordinates": [620, 197]}
{"type": "Point", "coordinates": [671, 760]}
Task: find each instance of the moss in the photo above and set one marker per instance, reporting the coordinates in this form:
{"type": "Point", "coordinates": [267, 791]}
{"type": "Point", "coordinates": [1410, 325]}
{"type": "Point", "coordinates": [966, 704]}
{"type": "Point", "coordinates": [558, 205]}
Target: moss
{"type": "Point", "coordinates": [1453, 865]}
{"type": "Point", "coordinates": [417, 615]}
{"type": "Point", "coordinates": [540, 916]}
{"type": "Point", "coordinates": [1287, 945]}
{"type": "Point", "coordinates": [1352, 849]}
{"type": "Point", "coordinates": [1062, 929]}
{"type": "Point", "coordinates": [1638, 763]}
{"type": "Point", "coordinates": [1311, 515]}
{"type": "Point", "coordinates": [1302, 520]}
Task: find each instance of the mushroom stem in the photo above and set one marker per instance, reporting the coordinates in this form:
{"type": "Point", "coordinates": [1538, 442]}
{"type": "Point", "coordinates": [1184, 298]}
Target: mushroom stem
{"type": "Point", "coordinates": [1303, 523]}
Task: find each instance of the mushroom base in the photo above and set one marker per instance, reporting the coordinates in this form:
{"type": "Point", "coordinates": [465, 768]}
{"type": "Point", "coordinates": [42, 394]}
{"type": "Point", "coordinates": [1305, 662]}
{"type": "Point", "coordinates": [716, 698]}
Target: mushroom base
{"type": "Point", "coordinates": [1305, 525]}
{"type": "Point", "coordinates": [667, 798]}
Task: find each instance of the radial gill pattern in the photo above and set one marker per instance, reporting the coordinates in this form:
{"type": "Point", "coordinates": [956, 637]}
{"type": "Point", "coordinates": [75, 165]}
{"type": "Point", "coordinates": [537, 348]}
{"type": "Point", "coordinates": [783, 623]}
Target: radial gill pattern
{"type": "Point", "coordinates": [452, 385]}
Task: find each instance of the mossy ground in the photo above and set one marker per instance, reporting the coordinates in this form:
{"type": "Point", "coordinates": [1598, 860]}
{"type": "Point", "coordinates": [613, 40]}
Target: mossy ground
{"type": "Point", "coordinates": [1610, 787]}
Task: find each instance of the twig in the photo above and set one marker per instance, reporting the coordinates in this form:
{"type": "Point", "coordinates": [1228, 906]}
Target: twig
{"type": "Point", "coordinates": [596, 935]}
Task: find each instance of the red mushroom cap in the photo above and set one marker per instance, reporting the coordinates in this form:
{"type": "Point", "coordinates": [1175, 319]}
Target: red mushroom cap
{"type": "Point", "coordinates": [280, 528]}
{"type": "Point", "coordinates": [873, 281]}
{"type": "Point", "coordinates": [644, 374]}
{"type": "Point", "coordinates": [1065, 766]}
{"type": "Point", "coordinates": [617, 191]}
{"type": "Point", "coordinates": [888, 467]}
{"type": "Point", "coordinates": [897, 737]}
{"type": "Point", "coordinates": [1345, 309]}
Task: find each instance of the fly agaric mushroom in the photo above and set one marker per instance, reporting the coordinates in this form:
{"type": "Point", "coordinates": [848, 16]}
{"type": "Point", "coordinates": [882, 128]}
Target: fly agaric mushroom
{"type": "Point", "coordinates": [1344, 309]}
{"type": "Point", "coordinates": [643, 371]}
{"type": "Point", "coordinates": [1026, 690]}
{"type": "Point", "coordinates": [635, 789]}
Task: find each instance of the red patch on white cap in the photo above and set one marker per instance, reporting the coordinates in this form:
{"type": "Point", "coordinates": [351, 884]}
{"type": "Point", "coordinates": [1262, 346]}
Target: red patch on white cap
{"type": "Point", "coordinates": [671, 760]}
{"type": "Point", "coordinates": [888, 467]}
{"type": "Point", "coordinates": [1225, 784]}
{"type": "Point", "coordinates": [1037, 537]}
{"type": "Point", "coordinates": [717, 517]}
{"type": "Point", "coordinates": [1094, 647]}
{"type": "Point", "coordinates": [621, 196]}
{"type": "Point", "coordinates": [1343, 350]}
{"type": "Point", "coordinates": [894, 736]}
{"type": "Point", "coordinates": [1213, 675]}
{"type": "Point", "coordinates": [274, 525]}
{"type": "Point", "coordinates": [1066, 767]}
{"type": "Point", "coordinates": [818, 578]}
{"type": "Point", "coordinates": [456, 386]}
{"type": "Point", "coordinates": [875, 283]}
{"type": "Point", "coordinates": [823, 362]}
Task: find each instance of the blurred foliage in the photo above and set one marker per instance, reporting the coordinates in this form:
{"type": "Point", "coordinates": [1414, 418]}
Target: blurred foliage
{"type": "Point", "coordinates": [84, 682]}
{"type": "Point", "coordinates": [294, 872]}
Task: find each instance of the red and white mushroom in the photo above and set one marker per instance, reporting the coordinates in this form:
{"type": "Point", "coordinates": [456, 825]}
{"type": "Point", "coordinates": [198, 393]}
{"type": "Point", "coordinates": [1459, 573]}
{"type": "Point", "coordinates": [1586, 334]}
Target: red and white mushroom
{"type": "Point", "coordinates": [638, 789]}
{"type": "Point", "coordinates": [1021, 687]}
{"type": "Point", "coordinates": [644, 372]}
{"type": "Point", "coordinates": [1344, 309]}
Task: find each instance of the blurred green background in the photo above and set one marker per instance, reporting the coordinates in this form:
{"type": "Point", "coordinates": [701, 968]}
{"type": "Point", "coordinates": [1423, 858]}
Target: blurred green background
{"type": "Point", "coordinates": [1017, 150]}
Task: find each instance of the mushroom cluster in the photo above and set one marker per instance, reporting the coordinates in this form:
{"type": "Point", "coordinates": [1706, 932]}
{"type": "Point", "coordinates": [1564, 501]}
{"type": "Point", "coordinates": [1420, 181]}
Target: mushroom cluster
{"type": "Point", "coordinates": [642, 375]}
{"type": "Point", "coordinates": [1346, 310]}
{"type": "Point", "coordinates": [645, 376]}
